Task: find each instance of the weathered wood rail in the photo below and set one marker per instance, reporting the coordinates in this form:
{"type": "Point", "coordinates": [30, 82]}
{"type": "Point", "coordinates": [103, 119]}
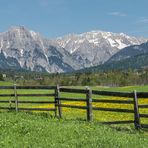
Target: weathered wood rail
{"type": "Point", "coordinates": [16, 101]}
{"type": "Point", "coordinates": [89, 100]}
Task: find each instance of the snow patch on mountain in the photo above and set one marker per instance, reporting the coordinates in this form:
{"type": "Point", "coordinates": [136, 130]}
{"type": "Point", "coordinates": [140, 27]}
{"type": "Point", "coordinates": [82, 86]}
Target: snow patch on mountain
{"type": "Point", "coordinates": [95, 47]}
{"type": "Point", "coordinates": [120, 44]}
{"type": "Point", "coordinates": [112, 42]}
{"type": "Point", "coordinates": [21, 52]}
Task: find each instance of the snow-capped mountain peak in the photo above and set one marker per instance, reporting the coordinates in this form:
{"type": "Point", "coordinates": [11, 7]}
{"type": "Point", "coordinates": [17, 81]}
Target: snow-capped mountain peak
{"type": "Point", "coordinates": [28, 49]}
{"type": "Point", "coordinates": [115, 40]}
{"type": "Point", "coordinates": [96, 46]}
{"type": "Point", "coordinates": [118, 40]}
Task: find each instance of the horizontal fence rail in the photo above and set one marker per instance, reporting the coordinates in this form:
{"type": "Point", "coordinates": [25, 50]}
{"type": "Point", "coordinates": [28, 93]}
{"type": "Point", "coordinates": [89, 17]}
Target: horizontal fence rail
{"type": "Point", "coordinates": [32, 102]}
{"type": "Point", "coordinates": [6, 87]}
{"type": "Point", "coordinates": [144, 125]}
{"type": "Point", "coordinates": [72, 90]}
{"type": "Point", "coordinates": [113, 110]}
{"type": "Point", "coordinates": [144, 115]}
{"type": "Point", "coordinates": [143, 106]}
{"type": "Point", "coordinates": [26, 95]}
{"type": "Point", "coordinates": [142, 95]}
{"type": "Point", "coordinates": [113, 101]}
{"type": "Point", "coordinates": [115, 94]}
{"type": "Point", "coordinates": [88, 100]}
{"type": "Point", "coordinates": [28, 87]}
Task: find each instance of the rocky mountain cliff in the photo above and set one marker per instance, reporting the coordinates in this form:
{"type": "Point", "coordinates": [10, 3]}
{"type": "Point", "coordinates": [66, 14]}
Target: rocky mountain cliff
{"type": "Point", "coordinates": [96, 47]}
{"type": "Point", "coordinates": [23, 48]}
{"type": "Point", "coordinates": [34, 52]}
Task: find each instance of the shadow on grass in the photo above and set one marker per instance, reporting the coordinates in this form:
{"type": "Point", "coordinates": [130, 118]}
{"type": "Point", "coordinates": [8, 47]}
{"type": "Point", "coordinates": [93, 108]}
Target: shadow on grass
{"type": "Point", "coordinates": [123, 128]}
{"type": "Point", "coordinates": [47, 115]}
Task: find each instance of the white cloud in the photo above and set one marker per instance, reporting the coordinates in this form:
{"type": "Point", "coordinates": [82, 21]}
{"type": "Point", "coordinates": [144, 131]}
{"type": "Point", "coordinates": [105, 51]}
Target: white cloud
{"type": "Point", "coordinates": [143, 20]}
{"type": "Point", "coordinates": [116, 13]}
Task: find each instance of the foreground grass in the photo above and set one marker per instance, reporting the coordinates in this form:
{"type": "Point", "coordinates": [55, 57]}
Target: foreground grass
{"type": "Point", "coordinates": [32, 130]}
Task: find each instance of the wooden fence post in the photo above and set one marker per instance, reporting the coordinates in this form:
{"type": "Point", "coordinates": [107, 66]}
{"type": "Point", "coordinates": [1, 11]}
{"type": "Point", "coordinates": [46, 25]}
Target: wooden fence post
{"type": "Point", "coordinates": [10, 103]}
{"type": "Point", "coordinates": [89, 104]}
{"type": "Point", "coordinates": [136, 112]}
{"type": "Point", "coordinates": [16, 98]}
{"type": "Point", "coordinates": [58, 102]}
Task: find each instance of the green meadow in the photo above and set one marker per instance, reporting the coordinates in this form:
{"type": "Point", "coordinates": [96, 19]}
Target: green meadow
{"type": "Point", "coordinates": [42, 129]}
{"type": "Point", "coordinates": [39, 130]}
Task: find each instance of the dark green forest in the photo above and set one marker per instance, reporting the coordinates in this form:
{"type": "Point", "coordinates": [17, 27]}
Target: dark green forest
{"type": "Point", "coordinates": [104, 78]}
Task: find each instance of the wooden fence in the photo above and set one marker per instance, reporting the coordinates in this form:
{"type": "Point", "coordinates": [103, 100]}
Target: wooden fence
{"type": "Point", "coordinates": [17, 101]}
{"type": "Point", "coordinates": [89, 100]}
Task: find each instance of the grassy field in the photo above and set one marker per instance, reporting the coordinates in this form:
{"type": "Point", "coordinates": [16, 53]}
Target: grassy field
{"type": "Point", "coordinates": [75, 113]}
{"type": "Point", "coordinates": [39, 130]}
{"type": "Point", "coordinates": [42, 130]}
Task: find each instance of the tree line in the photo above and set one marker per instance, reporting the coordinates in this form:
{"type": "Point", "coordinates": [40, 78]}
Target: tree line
{"type": "Point", "coordinates": [109, 78]}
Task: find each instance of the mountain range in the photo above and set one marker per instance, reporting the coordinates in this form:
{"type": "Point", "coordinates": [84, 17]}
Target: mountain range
{"type": "Point", "coordinates": [96, 47]}
{"type": "Point", "coordinates": [132, 57]}
{"type": "Point", "coordinates": [21, 48]}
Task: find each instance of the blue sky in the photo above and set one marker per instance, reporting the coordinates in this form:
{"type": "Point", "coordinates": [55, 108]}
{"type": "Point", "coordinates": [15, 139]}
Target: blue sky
{"type": "Point", "coordinates": [53, 18]}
